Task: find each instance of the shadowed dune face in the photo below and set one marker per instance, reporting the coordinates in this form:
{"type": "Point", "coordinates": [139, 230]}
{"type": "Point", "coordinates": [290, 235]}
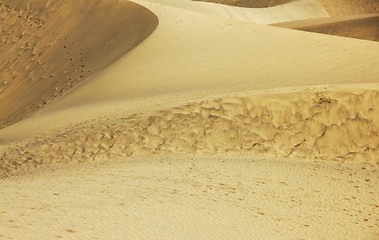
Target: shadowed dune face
{"type": "Point", "coordinates": [350, 7]}
{"type": "Point", "coordinates": [360, 27]}
{"type": "Point", "coordinates": [47, 47]}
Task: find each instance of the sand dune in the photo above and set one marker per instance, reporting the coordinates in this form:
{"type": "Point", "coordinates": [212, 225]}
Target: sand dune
{"type": "Point", "coordinates": [212, 127]}
{"type": "Point", "coordinates": [358, 26]}
{"type": "Point", "coordinates": [250, 3]}
{"type": "Point", "coordinates": [162, 68]}
{"type": "Point", "coordinates": [48, 47]}
{"type": "Point", "coordinates": [333, 7]}
{"type": "Point", "coordinates": [339, 125]}
{"type": "Point", "coordinates": [163, 52]}
{"type": "Point", "coordinates": [292, 11]}
{"type": "Point", "coordinates": [350, 7]}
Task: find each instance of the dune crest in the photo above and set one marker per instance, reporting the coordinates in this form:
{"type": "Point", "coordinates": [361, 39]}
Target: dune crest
{"type": "Point", "coordinates": [347, 18]}
{"type": "Point", "coordinates": [364, 27]}
{"type": "Point", "coordinates": [291, 11]}
{"type": "Point", "coordinates": [249, 3]}
{"type": "Point", "coordinates": [319, 124]}
{"type": "Point", "coordinates": [47, 47]}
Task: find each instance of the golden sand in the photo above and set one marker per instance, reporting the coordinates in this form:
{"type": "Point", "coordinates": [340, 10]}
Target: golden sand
{"type": "Point", "coordinates": [215, 126]}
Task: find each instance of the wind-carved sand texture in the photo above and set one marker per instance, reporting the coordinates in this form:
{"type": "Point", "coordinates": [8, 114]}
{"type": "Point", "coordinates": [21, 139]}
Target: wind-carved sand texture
{"type": "Point", "coordinates": [339, 125]}
{"type": "Point", "coordinates": [48, 47]}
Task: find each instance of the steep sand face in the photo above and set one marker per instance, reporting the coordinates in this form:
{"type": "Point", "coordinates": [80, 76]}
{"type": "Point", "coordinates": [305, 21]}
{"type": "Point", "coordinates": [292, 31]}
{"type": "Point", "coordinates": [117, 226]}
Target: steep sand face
{"type": "Point", "coordinates": [359, 26]}
{"type": "Point", "coordinates": [350, 7]}
{"type": "Point", "coordinates": [47, 47]}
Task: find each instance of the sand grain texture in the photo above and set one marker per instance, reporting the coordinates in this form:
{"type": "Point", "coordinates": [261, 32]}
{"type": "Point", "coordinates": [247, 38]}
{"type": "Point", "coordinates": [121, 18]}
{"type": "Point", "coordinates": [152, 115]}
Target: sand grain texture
{"type": "Point", "coordinates": [216, 126]}
{"type": "Point", "coordinates": [47, 47]}
{"type": "Point", "coordinates": [193, 197]}
{"type": "Point", "coordinates": [340, 125]}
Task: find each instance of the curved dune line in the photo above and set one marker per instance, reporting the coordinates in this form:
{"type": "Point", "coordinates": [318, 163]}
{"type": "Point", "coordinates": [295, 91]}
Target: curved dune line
{"type": "Point", "coordinates": [47, 47]}
{"type": "Point", "coordinates": [292, 11]}
{"type": "Point", "coordinates": [338, 124]}
{"type": "Point", "coordinates": [361, 26]}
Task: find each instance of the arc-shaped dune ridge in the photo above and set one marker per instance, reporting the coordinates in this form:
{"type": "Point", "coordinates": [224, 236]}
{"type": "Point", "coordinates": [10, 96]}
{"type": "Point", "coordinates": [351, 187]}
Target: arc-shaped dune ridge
{"type": "Point", "coordinates": [291, 11]}
{"type": "Point", "coordinates": [364, 27]}
{"type": "Point", "coordinates": [47, 47]}
{"type": "Point", "coordinates": [354, 19]}
{"type": "Point", "coordinates": [328, 124]}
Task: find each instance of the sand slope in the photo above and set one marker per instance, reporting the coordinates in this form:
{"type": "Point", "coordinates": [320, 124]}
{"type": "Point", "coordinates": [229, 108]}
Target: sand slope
{"type": "Point", "coordinates": [247, 56]}
{"type": "Point", "coordinates": [350, 7]}
{"type": "Point", "coordinates": [338, 124]}
{"type": "Point", "coordinates": [161, 68]}
{"type": "Point", "coordinates": [298, 10]}
{"type": "Point", "coordinates": [210, 128]}
{"type": "Point", "coordinates": [47, 47]}
{"type": "Point", "coordinates": [333, 7]}
{"type": "Point", "coordinates": [358, 26]}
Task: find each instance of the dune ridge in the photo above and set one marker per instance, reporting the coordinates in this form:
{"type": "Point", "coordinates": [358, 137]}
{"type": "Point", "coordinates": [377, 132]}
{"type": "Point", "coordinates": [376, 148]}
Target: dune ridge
{"type": "Point", "coordinates": [333, 7]}
{"type": "Point", "coordinates": [292, 11]}
{"type": "Point", "coordinates": [319, 124]}
{"type": "Point", "coordinates": [212, 128]}
{"type": "Point", "coordinates": [47, 47]}
{"type": "Point", "coordinates": [364, 27]}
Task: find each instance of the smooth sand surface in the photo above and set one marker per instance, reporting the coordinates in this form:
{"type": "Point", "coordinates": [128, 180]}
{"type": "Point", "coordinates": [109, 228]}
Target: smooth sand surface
{"type": "Point", "coordinates": [211, 128]}
{"type": "Point", "coordinates": [292, 11]}
{"type": "Point", "coordinates": [333, 7]}
{"type": "Point", "coordinates": [346, 18]}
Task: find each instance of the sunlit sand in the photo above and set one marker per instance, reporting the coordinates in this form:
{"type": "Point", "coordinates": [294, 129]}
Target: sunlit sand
{"type": "Point", "coordinates": [179, 119]}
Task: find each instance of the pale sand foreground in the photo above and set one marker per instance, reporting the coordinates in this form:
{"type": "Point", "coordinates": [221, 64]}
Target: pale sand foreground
{"type": "Point", "coordinates": [209, 129]}
{"type": "Point", "coordinates": [186, 197]}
